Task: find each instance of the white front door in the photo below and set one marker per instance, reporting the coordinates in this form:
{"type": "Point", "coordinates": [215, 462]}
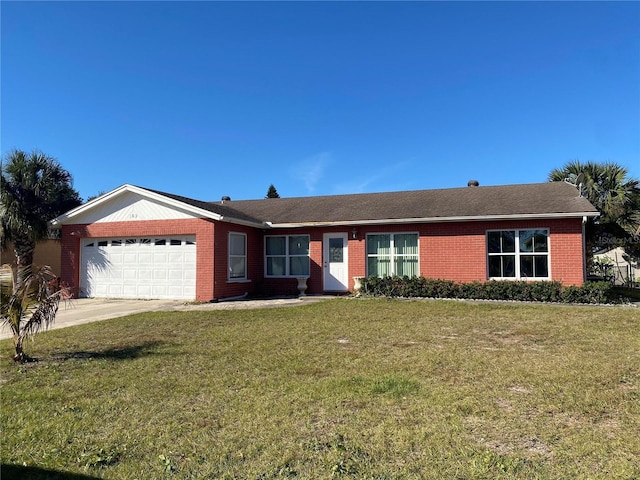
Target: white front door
{"type": "Point", "coordinates": [335, 256]}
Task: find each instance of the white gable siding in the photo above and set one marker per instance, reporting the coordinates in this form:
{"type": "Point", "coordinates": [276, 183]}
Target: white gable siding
{"type": "Point", "coordinates": [131, 207]}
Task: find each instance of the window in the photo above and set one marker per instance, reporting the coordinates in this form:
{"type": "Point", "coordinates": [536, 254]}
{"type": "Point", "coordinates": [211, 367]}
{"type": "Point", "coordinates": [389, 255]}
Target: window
{"type": "Point", "coordinates": [392, 254]}
{"type": "Point", "coordinates": [336, 250]}
{"type": "Point", "coordinates": [287, 256]}
{"type": "Point", "coordinates": [518, 254]}
{"type": "Point", "coordinates": [237, 256]}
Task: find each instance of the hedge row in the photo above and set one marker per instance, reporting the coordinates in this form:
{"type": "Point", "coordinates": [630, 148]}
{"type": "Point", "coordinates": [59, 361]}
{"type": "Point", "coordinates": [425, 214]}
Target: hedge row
{"type": "Point", "coordinates": [420, 287]}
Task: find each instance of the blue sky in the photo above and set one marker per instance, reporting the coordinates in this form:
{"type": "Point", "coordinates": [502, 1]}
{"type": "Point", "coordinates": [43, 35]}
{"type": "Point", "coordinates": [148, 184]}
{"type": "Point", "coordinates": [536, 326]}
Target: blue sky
{"type": "Point", "coordinates": [206, 99]}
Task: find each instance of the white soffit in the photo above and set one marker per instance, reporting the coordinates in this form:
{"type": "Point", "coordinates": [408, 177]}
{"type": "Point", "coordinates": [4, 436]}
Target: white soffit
{"type": "Point", "coordinates": [131, 204]}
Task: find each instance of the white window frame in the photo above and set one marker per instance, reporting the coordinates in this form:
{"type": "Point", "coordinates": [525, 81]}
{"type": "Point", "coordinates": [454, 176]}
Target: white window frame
{"type": "Point", "coordinates": [518, 253]}
{"type": "Point", "coordinates": [287, 256]}
{"type": "Point", "coordinates": [235, 257]}
{"type": "Point", "coordinates": [392, 255]}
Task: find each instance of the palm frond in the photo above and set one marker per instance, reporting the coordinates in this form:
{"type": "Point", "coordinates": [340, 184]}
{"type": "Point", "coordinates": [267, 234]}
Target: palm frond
{"type": "Point", "coordinates": [29, 304]}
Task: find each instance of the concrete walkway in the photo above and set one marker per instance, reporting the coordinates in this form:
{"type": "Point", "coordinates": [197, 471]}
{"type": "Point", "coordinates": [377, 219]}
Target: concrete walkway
{"type": "Point", "coordinates": [87, 310]}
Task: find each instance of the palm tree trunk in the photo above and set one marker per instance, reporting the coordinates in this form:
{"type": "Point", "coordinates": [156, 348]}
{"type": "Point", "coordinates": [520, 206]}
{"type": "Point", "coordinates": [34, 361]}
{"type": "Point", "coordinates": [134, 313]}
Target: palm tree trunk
{"type": "Point", "coordinates": [20, 355]}
{"type": "Point", "coordinates": [23, 249]}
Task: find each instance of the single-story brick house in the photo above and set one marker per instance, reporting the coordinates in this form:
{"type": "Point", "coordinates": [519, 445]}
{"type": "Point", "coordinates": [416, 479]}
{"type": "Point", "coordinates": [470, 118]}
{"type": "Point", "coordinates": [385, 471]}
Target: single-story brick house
{"type": "Point", "coordinates": [136, 242]}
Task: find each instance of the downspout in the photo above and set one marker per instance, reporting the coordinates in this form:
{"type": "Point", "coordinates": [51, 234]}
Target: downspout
{"type": "Point", "coordinates": [584, 249]}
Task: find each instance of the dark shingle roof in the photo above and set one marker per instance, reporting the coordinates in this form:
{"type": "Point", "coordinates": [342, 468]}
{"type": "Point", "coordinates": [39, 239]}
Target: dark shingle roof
{"type": "Point", "coordinates": [531, 199]}
{"type": "Point", "coordinates": [215, 207]}
{"type": "Point", "coordinates": [538, 199]}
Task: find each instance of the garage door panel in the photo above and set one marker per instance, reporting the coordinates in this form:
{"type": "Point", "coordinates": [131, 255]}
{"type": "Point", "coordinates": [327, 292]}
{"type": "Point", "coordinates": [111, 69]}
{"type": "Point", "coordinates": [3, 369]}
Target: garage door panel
{"type": "Point", "coordinates": [144, 291]}
{"type": "Point", "coordinates": [176, 258]}
{"type": "Point", "coordinates": [116, 258]}
{"type": "Point", "coordinates": [189, 275]}
{"type": "Point", "coordinates": [115, 290]}
{"type": "Point", "coordinates": [144, 257]}
{"type": "Point", "coordinates": [159, 274]}
{"type": "Point", "coordinates": [159, 290]}
{"type": "Point", "coordinates": [132, 257]}
{"type": "Point", "coordinates": [174, 291]}
{"type": "Point", "coordinates": [190, 292]}
{"type": "Point", "coordinates": [115, 274]}
{"type": "Point", "coordinates": [129, 274]}
{"type": "Point", "coordinates": [101, 290]}
{"type": "Point", "coordinates": [175, 274]}
{"type": "Point", "coordinates": [130, 291]}
{"type": "Point", "coordinates": [145, 274]}
{"type": "Point", "coordinates": [139, 268]}
{"type": "Point", "coordinates": [160, 258]}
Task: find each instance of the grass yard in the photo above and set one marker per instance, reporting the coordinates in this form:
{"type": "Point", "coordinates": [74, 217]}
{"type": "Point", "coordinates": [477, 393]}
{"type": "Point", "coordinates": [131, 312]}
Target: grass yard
{"type": "Point", "coordinates": [347, 388]}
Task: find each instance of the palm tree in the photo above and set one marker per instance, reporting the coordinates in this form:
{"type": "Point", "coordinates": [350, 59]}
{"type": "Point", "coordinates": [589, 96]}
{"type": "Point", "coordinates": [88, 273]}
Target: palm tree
{"type": "Point", "coordinates": [616, 196]}
{"type": "Point", "coordinates": [34, 189]}
{"type": "Point", "coordinates": [29, 306]}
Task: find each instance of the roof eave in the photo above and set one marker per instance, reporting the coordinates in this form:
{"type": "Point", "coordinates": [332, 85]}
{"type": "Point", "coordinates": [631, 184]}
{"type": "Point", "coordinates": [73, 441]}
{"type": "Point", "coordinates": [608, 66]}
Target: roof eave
{"type": "Point", "coordinates": [246, 223]}
{"type": "Point", "coordinates": [477, 218]}
{"type": "Point", "coordinates": [57, 222]}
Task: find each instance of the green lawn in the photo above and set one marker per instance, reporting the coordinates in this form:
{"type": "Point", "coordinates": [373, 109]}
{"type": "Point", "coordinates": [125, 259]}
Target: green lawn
{"type": "Point", "coordinates": [347, 388]}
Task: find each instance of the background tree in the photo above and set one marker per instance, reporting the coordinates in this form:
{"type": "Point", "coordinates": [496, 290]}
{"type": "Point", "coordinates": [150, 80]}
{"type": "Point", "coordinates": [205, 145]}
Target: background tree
{"type": "Point", "coordinates": [34, 189]}
{"type": "Point", "coordinates": [616, 196]}
{"type": "Point", "coordinates": [93, 197]}
{"type": "Point", "coordinates": [272, 192]}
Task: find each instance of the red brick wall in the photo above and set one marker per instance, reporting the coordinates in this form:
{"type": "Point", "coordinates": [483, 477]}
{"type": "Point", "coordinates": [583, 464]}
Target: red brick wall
{"type": "Point", "coordinates": [454, 251]}
{"type": "Point", "coordinates": [289, 286]}
{"type": "Point", "coordinates": [203, 230]}
{"type": "Point", "coordinates": [567, 252]}
{"type": "Point", "coordinates": [457, 251]}
{"type": "Point", "coordinates": [223, 287]}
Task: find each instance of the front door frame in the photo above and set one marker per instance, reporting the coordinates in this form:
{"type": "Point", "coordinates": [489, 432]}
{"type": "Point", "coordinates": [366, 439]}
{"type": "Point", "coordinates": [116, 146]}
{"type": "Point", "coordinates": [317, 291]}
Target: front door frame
{"type": "Point", "coordinates": [331, 282]}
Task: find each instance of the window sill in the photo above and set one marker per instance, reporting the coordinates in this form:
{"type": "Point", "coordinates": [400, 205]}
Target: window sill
{"type": "Point", "coordinates": [238, 280]}
{"type": "Point", "coordinates": [273, 277]}
{"type": "Point", "coordinates": [521, 279]}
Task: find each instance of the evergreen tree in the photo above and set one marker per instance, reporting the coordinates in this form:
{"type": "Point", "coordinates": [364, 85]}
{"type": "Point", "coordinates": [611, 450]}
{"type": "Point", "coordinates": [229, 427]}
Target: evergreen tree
{"type": "Point", "coordinates": [272, 192]}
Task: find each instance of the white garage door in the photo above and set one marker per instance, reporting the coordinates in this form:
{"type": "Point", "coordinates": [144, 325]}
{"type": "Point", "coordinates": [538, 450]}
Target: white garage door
{"type": "Point", "coordinates": [147, 267]}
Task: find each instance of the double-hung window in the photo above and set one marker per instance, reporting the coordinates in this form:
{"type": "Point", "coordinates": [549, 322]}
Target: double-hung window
{"type": "Point", "coordinates": [237, 256]}
{"type": "Point", "coordinates": [392, 254]}
{"type": "Point", "coordinates": [287, 256]}
{"type": "Point", "coordinates": [518, 254]}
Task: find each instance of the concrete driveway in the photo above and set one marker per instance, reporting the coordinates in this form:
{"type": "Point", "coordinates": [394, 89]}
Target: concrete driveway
{"type": "Point", "coordinates": [87, 310]}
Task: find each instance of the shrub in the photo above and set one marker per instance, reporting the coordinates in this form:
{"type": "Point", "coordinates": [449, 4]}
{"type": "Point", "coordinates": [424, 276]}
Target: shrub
{"type": "Point", "coordinates": [538, 291]}
{"type": "Point", "coordinates": [590, 292]}
{"type": "Point", "coordinates": [545, 291]}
